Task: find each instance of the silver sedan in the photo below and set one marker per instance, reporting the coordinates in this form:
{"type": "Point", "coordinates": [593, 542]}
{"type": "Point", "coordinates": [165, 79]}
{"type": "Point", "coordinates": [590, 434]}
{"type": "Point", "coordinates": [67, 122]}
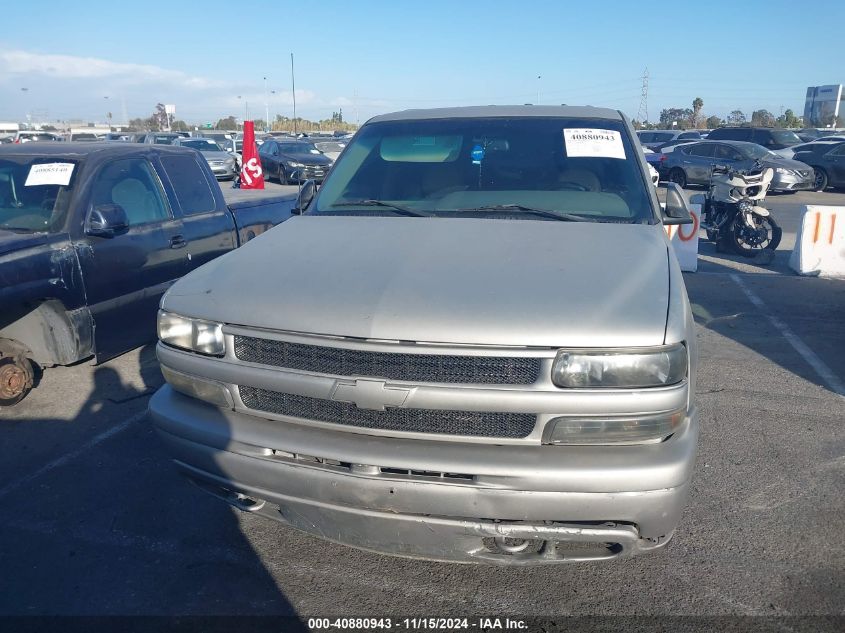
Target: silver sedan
{"type": "Point", "coordinates": [222, 163]}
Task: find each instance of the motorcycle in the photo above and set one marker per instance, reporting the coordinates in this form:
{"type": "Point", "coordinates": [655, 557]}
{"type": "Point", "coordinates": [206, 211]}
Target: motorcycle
{"type": "Point", "coordinates": [733, 215]}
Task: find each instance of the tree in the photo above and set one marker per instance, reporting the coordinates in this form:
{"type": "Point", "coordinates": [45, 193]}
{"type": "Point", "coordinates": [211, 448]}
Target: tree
{"type": "Point", "coordinates": [762, 118]}
{"type": "Point", "coordinates": [697, 104]}
{"type": "Point", "coordinates": [713, 122]}
{"type": "Point", "coordinates": [788, 119]}
{"type": "Point", "coordinates": [736, 117]}
{"type": "Point", "coordinates": [680, 116]}
{"type": "Point", "coordinates": [229, 123]}
{"type": "Point", "coordinates": [162, 120]}
{"type": "Point", "coordinates": [179, 126]}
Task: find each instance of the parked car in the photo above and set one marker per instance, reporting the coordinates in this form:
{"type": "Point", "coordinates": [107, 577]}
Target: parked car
{"type": "Point", "coordinates": [475, 345]}
{"type": "Point", "coordinates": [330, 148]}
{"type": "Point", "coordinates": [828, 165]}
{"type": "Point", "coordinates": [654, 175]}
{"type": "Point", "coordinates": [822, 143]}
{"type": "Point", "coordinates": [92, 234]}
{"type": "Point", "coordinates": [293, 161]}
{"type": "Point", "coordinates": [27, 136]}
{"type": "Point", "coordinates": [123, 137]}
{"type": "Point", "coordinates": [160, 138]}
{"type": "Point", "coordinates": [653, 138]}
{"type": "Point", "coordinates": [693, 164]}
{"type": "Point", "coordinates": [813, 134]}
{"type": "Point", "coordinates": [773, 139]}
{"type": "Point", "coordinates": [223, 165]}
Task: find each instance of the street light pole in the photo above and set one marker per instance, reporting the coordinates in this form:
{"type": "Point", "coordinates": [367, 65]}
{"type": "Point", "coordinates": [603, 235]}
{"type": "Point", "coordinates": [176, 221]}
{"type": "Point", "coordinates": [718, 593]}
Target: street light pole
{"type": "Point", "coordinates": [293, 92]}
{"type": "Point", "coordinates": [539, 77]}
{"type": "Point", "coordinates": [266, 108]}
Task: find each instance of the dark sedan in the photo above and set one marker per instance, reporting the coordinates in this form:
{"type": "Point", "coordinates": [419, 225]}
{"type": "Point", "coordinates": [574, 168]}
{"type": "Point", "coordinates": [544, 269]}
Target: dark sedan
{"type": "Point", "coordinates": [693, 164]}
{"type": "Point", "coordinates": [293, 161]}
{"type": "Point", "coordinates": [828, 163]}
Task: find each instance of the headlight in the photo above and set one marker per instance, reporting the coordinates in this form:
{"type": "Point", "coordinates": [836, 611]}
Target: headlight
{"type": "Point", "coordinates": [230, 161]}
{"type": "Point", "coordinates": [745, 206]}
{"type": "Point", "coordinates": [622, 430]}
{"type": "Point", "coordinates": [293, 164]}
{"type": "Point", "coordinates": [784, 171]}
{"type": "Point", "coordinates": [196, 335]}
{"type": "Point", "coordinates": [651, 367]}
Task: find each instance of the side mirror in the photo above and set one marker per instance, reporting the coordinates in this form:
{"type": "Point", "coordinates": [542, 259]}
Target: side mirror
{"type": "Point", "coordinates": [107, 220]}
{"type": "Point", "coordinates": [677, 210]}
{"type": "Point", "coordinates": [306, 195]}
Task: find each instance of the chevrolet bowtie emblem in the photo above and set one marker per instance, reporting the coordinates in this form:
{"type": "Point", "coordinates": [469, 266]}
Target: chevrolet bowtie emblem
{"type": "Point", "coordinates": [369, 394]}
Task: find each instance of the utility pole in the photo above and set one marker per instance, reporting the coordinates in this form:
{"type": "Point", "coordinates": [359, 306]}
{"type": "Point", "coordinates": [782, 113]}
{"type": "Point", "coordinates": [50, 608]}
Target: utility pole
{"type": "Point", "coordinates": [642, 113]}
{"type": "Point", "coordinates": [266, 107]}
{"type": "Point", "coordinates": [293, 92]}
{"type": "Point", "coordinates": [539, 77]}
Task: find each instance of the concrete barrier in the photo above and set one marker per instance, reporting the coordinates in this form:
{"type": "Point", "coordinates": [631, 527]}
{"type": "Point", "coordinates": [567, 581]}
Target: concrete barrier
{"type": "Point", "coordinates": [684, 239]}
{"type": "Point", "coordinates": [820, 243]}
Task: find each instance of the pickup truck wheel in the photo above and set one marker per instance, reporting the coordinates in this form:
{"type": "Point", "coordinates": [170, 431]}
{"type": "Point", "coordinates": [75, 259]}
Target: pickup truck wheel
{"type": "Point", "coordinates": [16, 377]}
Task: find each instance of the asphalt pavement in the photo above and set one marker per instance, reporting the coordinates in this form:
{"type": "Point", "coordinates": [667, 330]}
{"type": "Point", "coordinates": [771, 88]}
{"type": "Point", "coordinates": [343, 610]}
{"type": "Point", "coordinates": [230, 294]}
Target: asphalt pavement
{"type": "Point", "coordinates": [96, 520]}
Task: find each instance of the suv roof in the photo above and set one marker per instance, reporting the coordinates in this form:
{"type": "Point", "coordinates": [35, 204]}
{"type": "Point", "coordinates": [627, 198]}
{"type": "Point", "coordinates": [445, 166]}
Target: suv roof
{"type": "Point", "coordinates": [478, 112]}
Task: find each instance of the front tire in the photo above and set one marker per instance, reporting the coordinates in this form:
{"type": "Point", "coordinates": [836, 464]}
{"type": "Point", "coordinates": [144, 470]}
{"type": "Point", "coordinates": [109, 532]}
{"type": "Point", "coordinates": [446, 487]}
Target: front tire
{"type": "Point", "coordinates": [283, 179]}
{"type": "Point", "coordinates": [16, 379]}
{"type": "Point", "coordinates": [749, 243]}
{"type": "Point", "coordinates": [678, 176]}
{"type": "Point", "coordinates": [821, 180]}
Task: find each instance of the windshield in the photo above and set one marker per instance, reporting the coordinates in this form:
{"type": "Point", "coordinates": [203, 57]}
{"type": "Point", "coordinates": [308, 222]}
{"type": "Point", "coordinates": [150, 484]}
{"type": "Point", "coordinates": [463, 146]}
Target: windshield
{"type": "Point", "coordinates": [754, 151]}
{"type": "Point", "coordinates": [202, 145]}
{"type": "Point", "coordinates": [298, 148]}
{"type": "Point", "coordinates": [491, 167]}
{"type": "Point", "coordinates": [329, 146]}
{"type": "Point", "coordinates": [35, 192]}
{"type": "Point", "coordinates": [164, 140]}
{"type": "Point", "coordinates": [785, 137]}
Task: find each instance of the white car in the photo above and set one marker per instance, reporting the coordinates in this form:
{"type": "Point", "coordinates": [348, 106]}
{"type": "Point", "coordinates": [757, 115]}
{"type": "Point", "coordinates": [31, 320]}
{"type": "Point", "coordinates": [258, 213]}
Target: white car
{"type": "Point", "coordinates": [652, 172]}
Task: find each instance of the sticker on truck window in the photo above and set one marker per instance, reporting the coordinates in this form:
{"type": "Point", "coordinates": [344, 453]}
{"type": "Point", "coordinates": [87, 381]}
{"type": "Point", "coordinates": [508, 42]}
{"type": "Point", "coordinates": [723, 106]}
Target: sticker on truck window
{"type": "Point", "coordinates": [593, 143]}
{"type": "Point", "coordinates": [49, 174]}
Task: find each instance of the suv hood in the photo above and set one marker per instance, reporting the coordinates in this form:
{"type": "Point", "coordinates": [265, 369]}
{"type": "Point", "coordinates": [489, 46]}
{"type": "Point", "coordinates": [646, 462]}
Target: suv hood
{"type": "Point", "coordinates": [456, 280]}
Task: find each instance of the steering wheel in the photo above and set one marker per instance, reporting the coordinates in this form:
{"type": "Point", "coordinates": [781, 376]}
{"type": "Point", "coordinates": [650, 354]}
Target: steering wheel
{"type": "Point", "coordinates": [568, 185]}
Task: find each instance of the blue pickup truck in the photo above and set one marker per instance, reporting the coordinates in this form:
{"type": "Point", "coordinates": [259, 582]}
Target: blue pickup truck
{"type": "Point", "coordinates": [91, 236]}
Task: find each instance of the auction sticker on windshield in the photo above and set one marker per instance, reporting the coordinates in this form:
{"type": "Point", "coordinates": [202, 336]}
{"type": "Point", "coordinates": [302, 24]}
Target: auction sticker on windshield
{"type": "Point", "coordinates": [593, 143]}
{"type": "Point", "coordinates": [49, 174]}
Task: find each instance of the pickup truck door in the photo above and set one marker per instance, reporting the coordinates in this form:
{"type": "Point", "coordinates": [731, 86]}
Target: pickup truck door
{"type": "Point", "coordinates": [125, 275]}
{"type": "Point", "coordinates": [208, 226]}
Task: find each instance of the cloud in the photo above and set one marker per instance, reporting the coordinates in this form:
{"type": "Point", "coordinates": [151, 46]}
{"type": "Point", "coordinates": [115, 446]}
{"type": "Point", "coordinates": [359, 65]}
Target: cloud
{"type": "Point", "coordinates": [18, 62]}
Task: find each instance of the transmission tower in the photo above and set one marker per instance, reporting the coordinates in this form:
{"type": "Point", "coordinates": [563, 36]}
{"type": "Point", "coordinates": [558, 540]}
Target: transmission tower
{"type": "Point", "coordinates": [642, 113]}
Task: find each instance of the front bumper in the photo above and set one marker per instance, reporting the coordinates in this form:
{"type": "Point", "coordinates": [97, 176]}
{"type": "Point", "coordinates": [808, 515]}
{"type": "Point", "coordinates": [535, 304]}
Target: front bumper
{"type": "Point", "coordinates": [223, 171]}
{"type": "Point", "coordinates": [792, 182]}
{"type": "Point", "coordinates": [415, 498]}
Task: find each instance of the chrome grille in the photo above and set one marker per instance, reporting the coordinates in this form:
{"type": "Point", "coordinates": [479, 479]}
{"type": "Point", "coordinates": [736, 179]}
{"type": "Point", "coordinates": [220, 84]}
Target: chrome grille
{"type": "Point", "coordinates": [480, 370]}
{"type": "Point", "coordinates": [474, 423]}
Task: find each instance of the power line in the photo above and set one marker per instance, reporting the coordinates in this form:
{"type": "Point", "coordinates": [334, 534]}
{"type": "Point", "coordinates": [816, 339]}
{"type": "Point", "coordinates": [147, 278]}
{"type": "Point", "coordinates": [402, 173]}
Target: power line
{"type": "Point", "coordinates": [642, 113]}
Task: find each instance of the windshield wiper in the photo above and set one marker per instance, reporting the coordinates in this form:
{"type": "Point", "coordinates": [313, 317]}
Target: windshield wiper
{"type": "Point", "coordinates": [388, 205]}
{"type": "Point", "coordinates": [545, 213]}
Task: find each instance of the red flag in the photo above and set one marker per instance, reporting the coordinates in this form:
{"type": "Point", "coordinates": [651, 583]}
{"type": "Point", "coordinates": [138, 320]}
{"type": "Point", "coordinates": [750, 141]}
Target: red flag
{"type": "Point", "coordinates": [252, 176]}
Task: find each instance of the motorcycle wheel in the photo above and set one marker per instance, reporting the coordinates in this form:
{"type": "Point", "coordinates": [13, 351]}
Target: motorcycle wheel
{"type": "Point", "coordinates": [748, 242]}
{"type": "Point", "coordinates": [711, 235]}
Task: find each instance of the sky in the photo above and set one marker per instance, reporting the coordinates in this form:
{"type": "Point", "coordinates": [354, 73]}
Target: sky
{"type": "Point", "coordinates": [61, 60]}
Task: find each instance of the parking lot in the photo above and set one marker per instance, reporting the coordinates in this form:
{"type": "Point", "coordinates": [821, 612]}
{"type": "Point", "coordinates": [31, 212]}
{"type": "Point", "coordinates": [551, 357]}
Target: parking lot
{"type": "Point", "coordinates": [98, 522]}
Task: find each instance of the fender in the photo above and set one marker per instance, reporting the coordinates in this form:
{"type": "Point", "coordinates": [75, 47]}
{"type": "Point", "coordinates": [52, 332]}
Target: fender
{"type": "Point", "coordinates": [52, 334]}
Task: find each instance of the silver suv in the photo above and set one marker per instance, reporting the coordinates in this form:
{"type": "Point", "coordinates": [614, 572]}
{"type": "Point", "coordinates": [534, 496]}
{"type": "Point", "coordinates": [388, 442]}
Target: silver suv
{"type": "Point", "coordinates": [474, 345]}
